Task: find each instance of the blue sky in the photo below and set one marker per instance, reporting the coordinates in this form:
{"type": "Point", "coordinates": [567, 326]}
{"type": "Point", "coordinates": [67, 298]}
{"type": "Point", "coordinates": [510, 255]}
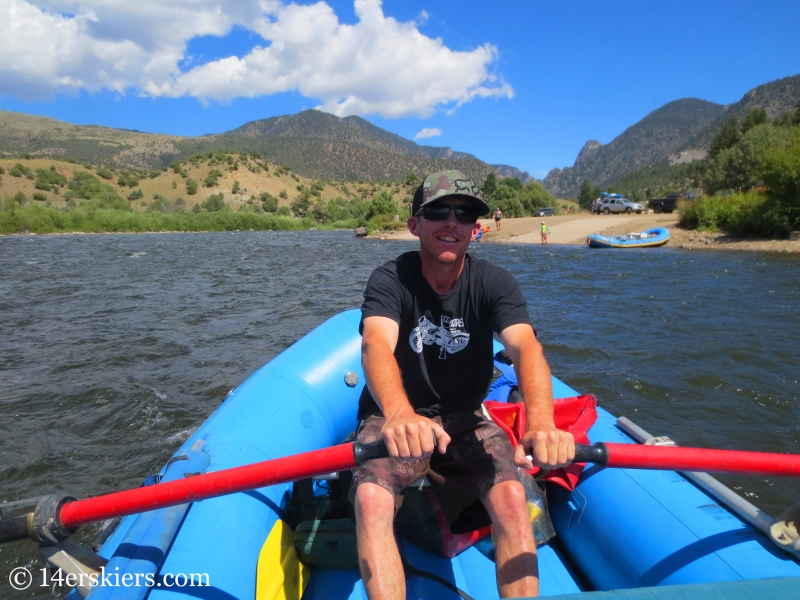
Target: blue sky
{"type": "Point", "coordinates": [520, 83]}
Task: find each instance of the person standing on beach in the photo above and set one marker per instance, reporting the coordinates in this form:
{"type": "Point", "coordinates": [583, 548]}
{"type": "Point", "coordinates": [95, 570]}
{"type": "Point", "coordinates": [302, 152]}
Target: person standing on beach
{"type": "Point", "coordinates": [427, 322]}
{"type": "Point", "coordinates": [544, 233]}
{"type": "Point", "coordinates": [498, 216]}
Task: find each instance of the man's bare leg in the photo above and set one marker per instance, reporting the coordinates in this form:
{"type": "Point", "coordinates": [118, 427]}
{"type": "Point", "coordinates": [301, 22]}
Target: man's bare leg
{"type": "Point", "coordinates": [515, 549]}
{"type": "Point", "coordinates": [378, 557]}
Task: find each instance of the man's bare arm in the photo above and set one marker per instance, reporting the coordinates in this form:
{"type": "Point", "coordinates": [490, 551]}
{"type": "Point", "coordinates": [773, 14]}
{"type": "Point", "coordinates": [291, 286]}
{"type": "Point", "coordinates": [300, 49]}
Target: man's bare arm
{"type": "Point", "coordinates": [549, 446]}
{"type": "Point", "coordinates": [406, 433]}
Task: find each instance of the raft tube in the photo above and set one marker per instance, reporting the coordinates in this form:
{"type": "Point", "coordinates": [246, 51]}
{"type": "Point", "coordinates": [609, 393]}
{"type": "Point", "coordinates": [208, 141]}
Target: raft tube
{"type": "Point", "coordinates": [646, 239]}
{"type": "Point", "coordinates": [618, 529]}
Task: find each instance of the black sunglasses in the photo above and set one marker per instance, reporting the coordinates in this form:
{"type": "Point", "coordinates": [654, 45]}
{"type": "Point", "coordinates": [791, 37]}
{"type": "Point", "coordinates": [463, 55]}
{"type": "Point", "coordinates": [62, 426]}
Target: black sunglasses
{"type": "Point", "coordinates": [440, 212]}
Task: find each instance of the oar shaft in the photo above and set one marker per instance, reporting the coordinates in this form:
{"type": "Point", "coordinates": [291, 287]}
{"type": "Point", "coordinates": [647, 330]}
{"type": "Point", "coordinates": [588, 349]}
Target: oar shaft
{"type": "Point", "coordinates": [55, 516]}
{"type": "Point", "coordinates": [680, 458]}
{"type": "Point", "coordinates": [210, 485]}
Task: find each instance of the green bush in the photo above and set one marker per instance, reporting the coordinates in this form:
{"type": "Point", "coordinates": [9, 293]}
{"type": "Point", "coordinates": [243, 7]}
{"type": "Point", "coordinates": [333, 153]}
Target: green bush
{"type": "Point", "coordinates": [383, 203]}
{"type": "Point", "coordinates": [269, 203]}
{"type": "Point", "coordinates": [39, 196]}
{"type": "Point", "coordinates": [105, 173]}
{"type": "Point", "coordinates": [781, 174]}
{"type": "Point", "coordinates": [191, 187]}
{"type": "Point", "coordinates": [533, 195]}
{"type": "Point", "coordinates": [20, 198]}
{"type": "Point", "coordinates": [214, 203]}
{"type": "Point", "coordinates": [136, 195]}
{"type": "Point", "coordinates": [211, 179]}
{"type": "Point", "coordinates": [301, 204]}
{"type": "Point", "coordinates": [236, 187]}
{"type": "Point", "coordinates": [283, 211]}
{"type": "Point", "coordinates": [739, 166]}
{"type": "Point", "coordinates": [283, 194]}
{"type": "Point", "coordinates": [108, 198]}
{"type": "Point", "coordinates": [20, 170]}
{"type": "Point", "coordinates": [507, 199]}
{"type": "Point", "coordinates": [85, 184]}
{"type": "Point", "coordinates": [161, 204]}
{"type": "Point", "coordinates": [2, 171]}
{"type": "Point", "coordinates": [47, 179]}
{"type": "Point", "coordinates": [90, 218]}
{"type": "Point", "coordinates": [743, 215]}
{"type": "Point", "coordinates": [128, 180]}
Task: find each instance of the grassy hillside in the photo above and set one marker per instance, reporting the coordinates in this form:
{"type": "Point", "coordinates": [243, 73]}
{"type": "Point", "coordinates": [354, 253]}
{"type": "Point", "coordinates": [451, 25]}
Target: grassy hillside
{"type": "Point", "coordinates": [256, 176]}
{"type": "Point", "coordinates": [184, 194]}
{"type": "Point", "coordinates": [317, 145]}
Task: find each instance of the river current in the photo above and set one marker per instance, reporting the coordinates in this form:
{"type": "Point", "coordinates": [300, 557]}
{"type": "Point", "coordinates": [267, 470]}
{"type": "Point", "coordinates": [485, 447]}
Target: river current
{"type": "Point", "coordinates": [114, 348]}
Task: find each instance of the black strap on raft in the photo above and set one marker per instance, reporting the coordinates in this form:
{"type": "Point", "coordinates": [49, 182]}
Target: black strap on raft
{"type": "Point", "coordinates": [411, 571]}
{"type": "Point", "coordinates": [303, 496]}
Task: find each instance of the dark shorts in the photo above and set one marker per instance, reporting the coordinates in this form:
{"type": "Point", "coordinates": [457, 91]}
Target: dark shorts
{"type": "Point", "coordinates": [478, 457]}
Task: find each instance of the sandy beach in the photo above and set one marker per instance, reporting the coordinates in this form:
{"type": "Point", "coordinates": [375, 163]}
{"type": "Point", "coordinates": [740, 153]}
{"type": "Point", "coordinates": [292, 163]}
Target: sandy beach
{"type": "Point", "coordinates": [573, 229]}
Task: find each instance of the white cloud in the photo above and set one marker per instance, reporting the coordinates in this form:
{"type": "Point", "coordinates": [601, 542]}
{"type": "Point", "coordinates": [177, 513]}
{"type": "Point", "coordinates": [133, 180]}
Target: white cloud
{"type": "Point", "coordinates": [376, 66]}
{"type": "Point", "coordinates": [428, 132]}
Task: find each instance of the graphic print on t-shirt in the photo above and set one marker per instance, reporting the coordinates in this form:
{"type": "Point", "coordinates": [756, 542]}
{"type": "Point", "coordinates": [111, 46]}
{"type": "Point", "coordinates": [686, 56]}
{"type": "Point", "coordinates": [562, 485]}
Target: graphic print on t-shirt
{"type": "Point", "coordinates": [448, 336]}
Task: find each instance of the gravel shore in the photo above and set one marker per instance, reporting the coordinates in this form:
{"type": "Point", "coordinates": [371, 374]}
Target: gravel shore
{"type": "Point", "coordinates": [572, 230]}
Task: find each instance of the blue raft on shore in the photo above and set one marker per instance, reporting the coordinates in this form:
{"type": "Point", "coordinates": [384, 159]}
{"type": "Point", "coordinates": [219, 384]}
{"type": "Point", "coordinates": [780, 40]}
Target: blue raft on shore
{"type": "Point", "coordinates": [646, 239]}
{"type": "Point", "coordinates": [652, 534]}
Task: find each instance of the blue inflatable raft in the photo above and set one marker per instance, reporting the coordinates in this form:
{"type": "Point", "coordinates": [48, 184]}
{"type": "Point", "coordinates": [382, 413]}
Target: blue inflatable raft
{"type": "Point", "coordinates": [652, 534]}
{"type": "Point", "coordinates": [646, 239]}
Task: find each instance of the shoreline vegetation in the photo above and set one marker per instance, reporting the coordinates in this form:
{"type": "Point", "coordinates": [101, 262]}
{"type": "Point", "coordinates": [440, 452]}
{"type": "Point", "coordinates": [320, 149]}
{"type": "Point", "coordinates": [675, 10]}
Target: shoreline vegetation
{"type": "Point", "coordinates": [226, 191]}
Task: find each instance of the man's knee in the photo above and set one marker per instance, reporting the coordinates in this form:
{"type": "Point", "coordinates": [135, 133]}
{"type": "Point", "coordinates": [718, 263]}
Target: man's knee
{"type": "Point", "coordinates": [373, 503]}
{"type": "Point", "coordinates": [507, 504]}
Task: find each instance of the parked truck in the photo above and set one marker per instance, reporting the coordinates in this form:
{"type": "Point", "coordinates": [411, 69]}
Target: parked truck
{"type": "Point", "coordinates": [663, 205]}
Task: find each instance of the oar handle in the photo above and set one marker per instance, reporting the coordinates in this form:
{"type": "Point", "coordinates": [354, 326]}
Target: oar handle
{"type": "Point", "coordinates": [364, 452]}
{"type": "Point", "coordinates": [597, 453]}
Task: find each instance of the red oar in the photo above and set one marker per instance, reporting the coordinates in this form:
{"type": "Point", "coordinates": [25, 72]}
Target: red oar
{"type": "Point", "coordinates": [680, 458]}
{"type": "Point", "coordinates": [52, 518]}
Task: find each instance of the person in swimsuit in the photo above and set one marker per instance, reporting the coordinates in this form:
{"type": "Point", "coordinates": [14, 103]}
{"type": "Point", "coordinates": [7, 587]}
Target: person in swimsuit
{"type": "Point", "coordinates": [498, 216]}
{"type": "Point", "coordinates": [544, 233]}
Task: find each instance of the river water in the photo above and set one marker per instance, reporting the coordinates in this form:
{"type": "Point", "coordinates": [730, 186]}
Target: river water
{"type": "Point", "coordinates": [114, 348]}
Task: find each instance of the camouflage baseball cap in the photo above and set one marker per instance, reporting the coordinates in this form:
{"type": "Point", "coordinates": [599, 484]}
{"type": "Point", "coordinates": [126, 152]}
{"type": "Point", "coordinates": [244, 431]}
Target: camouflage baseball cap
{"type": "Point", "coordinates": [448, 183]}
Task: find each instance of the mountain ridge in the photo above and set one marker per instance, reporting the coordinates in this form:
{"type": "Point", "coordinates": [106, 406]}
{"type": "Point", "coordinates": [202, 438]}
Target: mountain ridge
{"type": "Point", "coordinates": [315, 144]}
{"type": "Point", "coordinates": [679, 131]}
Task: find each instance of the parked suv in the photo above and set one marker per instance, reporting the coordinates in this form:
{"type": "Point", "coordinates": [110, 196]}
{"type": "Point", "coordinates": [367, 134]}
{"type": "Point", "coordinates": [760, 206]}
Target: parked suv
{"type": "Point", "coordinates": [544, 212]}
{"type": "Point", "coordinates": [619, 205]}
{"type": "Point", "coordinates": [664, 205]}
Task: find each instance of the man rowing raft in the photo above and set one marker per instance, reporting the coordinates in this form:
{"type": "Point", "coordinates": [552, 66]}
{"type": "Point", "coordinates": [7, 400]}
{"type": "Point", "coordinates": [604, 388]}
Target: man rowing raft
{"type": "Point", "coordinates": [428, 320]}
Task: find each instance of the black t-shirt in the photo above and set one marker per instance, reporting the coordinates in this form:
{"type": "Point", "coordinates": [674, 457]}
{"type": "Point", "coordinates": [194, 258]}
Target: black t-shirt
{"type": "Point", "coordinates": [444, 348]}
